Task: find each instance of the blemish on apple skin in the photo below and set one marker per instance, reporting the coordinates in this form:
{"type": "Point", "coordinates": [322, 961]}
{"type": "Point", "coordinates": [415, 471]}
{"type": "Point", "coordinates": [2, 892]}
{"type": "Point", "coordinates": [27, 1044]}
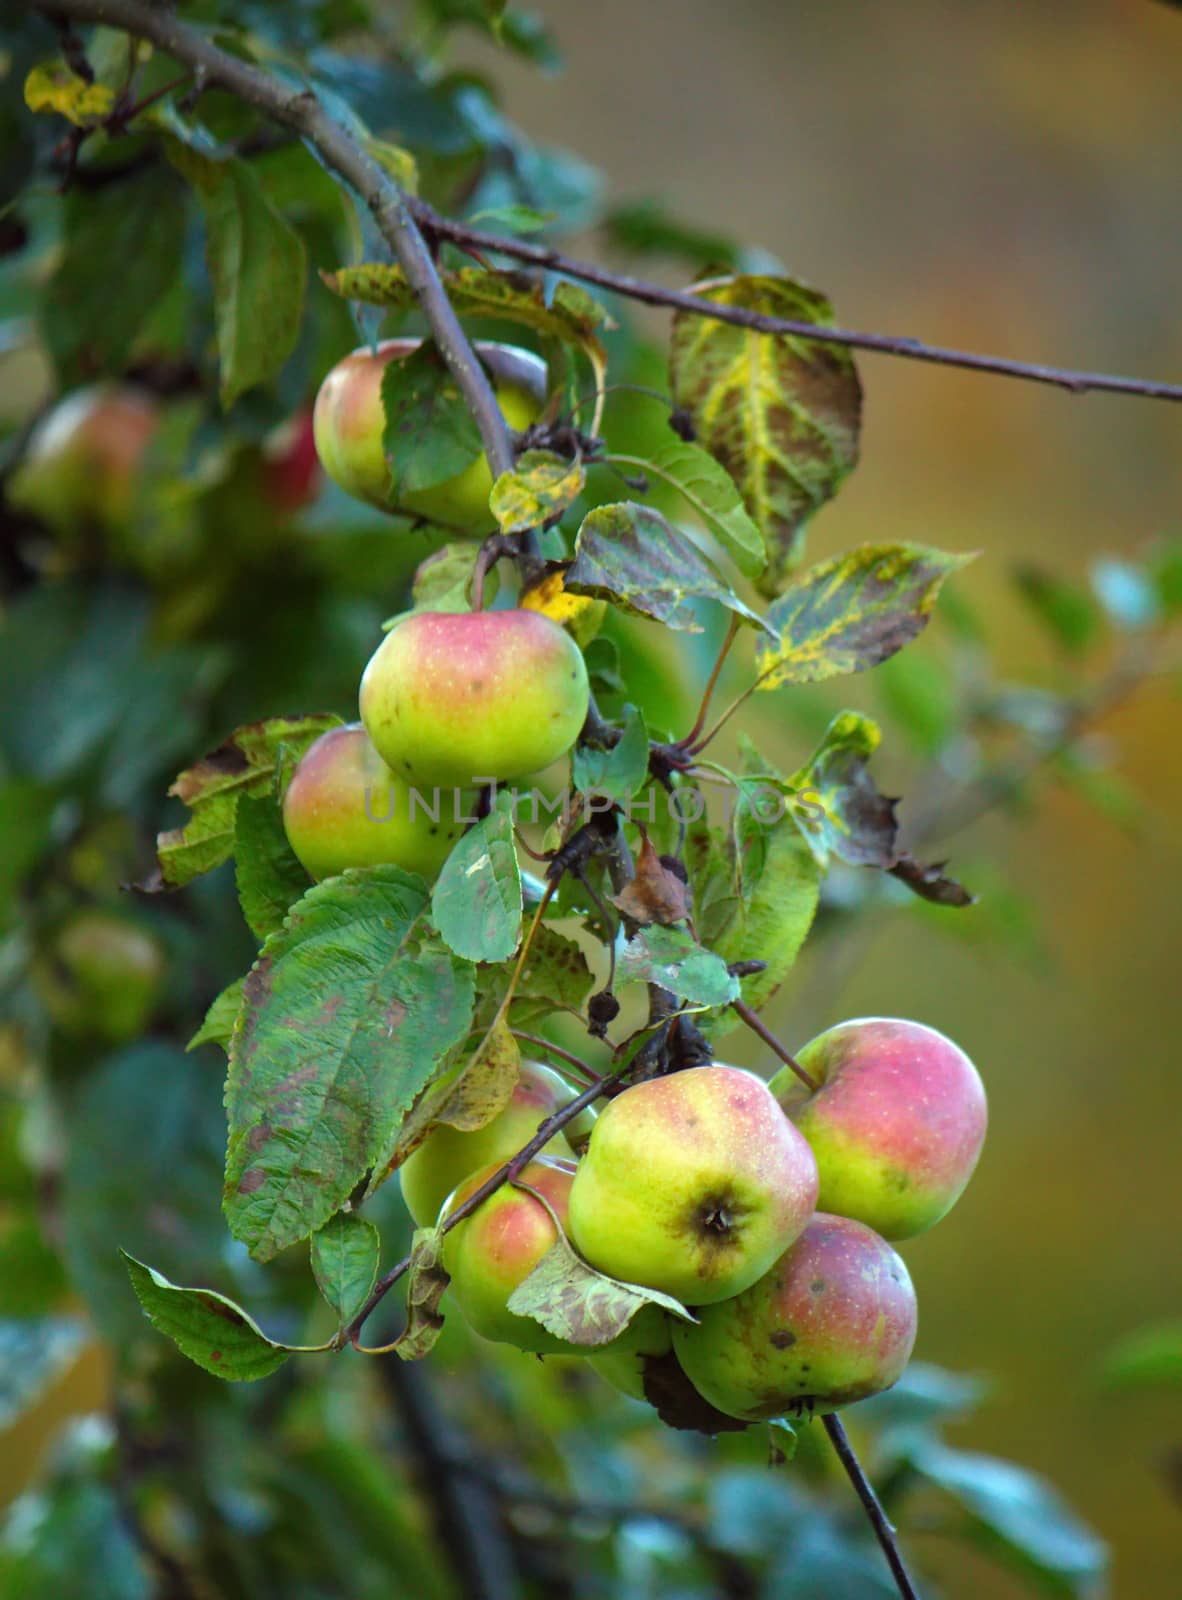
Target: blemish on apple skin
{"type": "Point", "coordinates": [783, 1339]}
{"type": "Point", "coordinates": [817, 1286]}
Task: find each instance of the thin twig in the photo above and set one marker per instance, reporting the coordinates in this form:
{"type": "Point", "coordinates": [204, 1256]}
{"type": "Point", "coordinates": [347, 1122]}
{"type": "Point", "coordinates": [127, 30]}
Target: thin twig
{"type": "Point", "coordinates": [504, 1174]}
{"type": "Point", "coordinates": [536, 1039]}
{"type": "Point", "coordinates": [300, 110]}
{"type": "Point", "coordinates": [884, 1530]}
{"type": "Point", "coordinates": [743, 1010]}
{"type": "Point", "coordinates": [910, 349]}
{"type": "Point", "coordinates": [711, 684]}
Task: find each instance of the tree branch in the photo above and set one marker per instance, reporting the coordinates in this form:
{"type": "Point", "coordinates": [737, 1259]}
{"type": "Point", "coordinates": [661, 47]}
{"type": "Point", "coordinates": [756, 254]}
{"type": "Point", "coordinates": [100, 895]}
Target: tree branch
{"type": "Point", "coordinates": [654, 294]}
{"type": "Point", "coordinates": [762, 1031]}
{"type": "Point", "coordinates": [884, 1530]}
{"type": "Point", "coordinates": [300, 110]}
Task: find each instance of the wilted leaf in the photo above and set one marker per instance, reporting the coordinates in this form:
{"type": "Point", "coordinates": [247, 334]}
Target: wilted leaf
{"type": "Point", "coordinates": [258, 265]}
{"type": "Point", "coordinates": [629, 554]}
{"type": "Point", "coordinates": [844, 814]}
{"type": "Point", "coordinates": [206, 1327]}
{"type": "Point", "coordinates": [614, 774]}
{"type": "Point", "coordinates": [852, 611]}
{"type": "Point", "coordinates": [270, 879]}
{"type": "Point", "coordinates": [53, 86]}
{"type": "Point", "coordinates": [781, 413]}
{"type": "Point", "coordinates": [575, 1302]}
{"type": "Point", "coordinates": [220, 1018]}
{"type": "Point", "coordinates": [673, 958]}
{"type": "Point", "coordinates": [710, 492]}
{"type": "Point", "coordinates": [931, 882]}
{"type": "Point", "coordinates": [426, 1282]}
{"type": "Point", "coordinates": [485, 1086]}
{"type": "Point", "coordinates": [655, 894]}
{"type": "Point", "coordinates": [541, 486]}
{"type": "Point", "coordinates": [476, 903]}
{"type": "Point", "coordinates": [345, 1263]}
{"type": "Point", "coordinates": [346, 1017]}
{"type": "Point", "coordinates": [578, 613]}
{"type": "Point", "coordinates": [246, 764]}
{"type": "Point", "coordinates": [430, 433]}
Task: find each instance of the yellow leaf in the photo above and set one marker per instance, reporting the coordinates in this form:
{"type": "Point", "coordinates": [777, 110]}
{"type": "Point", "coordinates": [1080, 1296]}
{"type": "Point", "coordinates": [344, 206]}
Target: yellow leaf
{"type": "Point", "coordinates": [53, 86]}
{"type": "Point", "coordinates": [578, 613]}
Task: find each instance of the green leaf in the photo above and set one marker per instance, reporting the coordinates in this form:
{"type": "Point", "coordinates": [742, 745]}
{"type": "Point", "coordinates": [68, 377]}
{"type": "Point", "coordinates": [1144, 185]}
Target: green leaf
{"type": "Point", "coordinates": [430, 434]}
{"type": "Point", "coordinates": [710, 491]}
{"type": "Point", "coordinates": [575, 1302]}
{"type": "Point", "coordinates": [614, 774]}
{"type": "Point", "coordinates": [269, 877]}
{"type": "Point", "coordinates": [117, 263]}
{"type": "Point", "coordinates": [206, 1327]}
{"type": "Point", "coordinates": [33, 1351]}
{"type": "Point", "coordinates": [345, 1256]}
{"type": "Point", "coordinates": [512, 219]}
{"type": "Point", "coordinates": [673, 958]}
{"type": "Point", "coordinates": [258, 265]}
{"type": "Point", "coordinates": [923, 1395]}
{"type": "Point", "coordinates": [27, 810]}
{"type": "Point", "coordinates": [248, 763]}
{"type": "Point", "coordinates": [53, 86]}
{"type": "Point", "coordinates": [541, 486]}
{"type": "Point", "coordinates": [629, 554]}
{"type": "Point", "coordinates": [218, 1026]}
{"type": "Point", "coordinates": [852, 611]}
{"type": "Point", "coordinates": [72, 1538]}
{"type": "Point", "coordinates": [782, 414]}
{"type": "Point", "coordinates": [838, 807]}
{"type": "Point", "coordinates": [774, 889]}
{"type": "Point", "coordinates": [476, 903]}
{"type": "Point", "coordinates": [554, 977]}
{"type": "Point", "coordinates": [1151, 1355]}
{"type": "Point", "coordinates": [443, 582]}
{"type": "Point", "coordinates": [1068, 613]}
{"type": "Point", "coordinates": [346, 1016]}
{"type": "Point", "coordinates": [1015, 1515]}
{"type": "Point", "coordinates": [426, 1283]}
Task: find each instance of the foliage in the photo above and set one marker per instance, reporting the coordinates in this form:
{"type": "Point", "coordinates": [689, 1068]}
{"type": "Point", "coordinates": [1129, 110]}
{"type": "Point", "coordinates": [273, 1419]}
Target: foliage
{"type": "Point", "coordinates": [201, 255]}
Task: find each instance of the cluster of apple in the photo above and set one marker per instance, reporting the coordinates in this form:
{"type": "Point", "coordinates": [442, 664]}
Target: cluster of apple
{"type": "Point", "coordinates": [449, 700]}
{"type": "Point", "coordinates": [705, 1185]}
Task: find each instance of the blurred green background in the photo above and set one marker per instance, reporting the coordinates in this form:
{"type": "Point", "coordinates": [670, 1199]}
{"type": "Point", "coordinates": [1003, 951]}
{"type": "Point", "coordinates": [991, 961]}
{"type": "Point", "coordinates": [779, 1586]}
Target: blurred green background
{"type": "Point", "coordinates": [1000, 178]}
{"type": "Point", "coordinates": [1006, 179]}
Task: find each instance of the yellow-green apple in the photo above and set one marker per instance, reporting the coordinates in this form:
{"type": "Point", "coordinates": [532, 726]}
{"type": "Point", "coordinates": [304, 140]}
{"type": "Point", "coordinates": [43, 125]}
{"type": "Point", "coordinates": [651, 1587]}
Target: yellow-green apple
{"type": "Point", "coordinates": [102, 975]}
{"type": "Point", "coordinates": [833, 1321]}
{"type": "Point", "coordinates": [896, 1123]}
{"type": "Point", "coordinates": [456, 697]}
{"type": "Point", "coordinates": [693, 1184]}
{"type": "Point", "coordinates": [80, 466]}
{"type": "Point", "coordinates": [350, 419]}
{"type": "Point", "coordinates": [344, 808]}
{"type": "Point", "coordinates": [448, 1155]}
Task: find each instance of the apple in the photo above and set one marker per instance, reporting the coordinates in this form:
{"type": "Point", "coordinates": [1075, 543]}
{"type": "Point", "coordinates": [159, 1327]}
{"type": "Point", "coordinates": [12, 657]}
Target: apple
{"type": "Point", "coordinates": [344, 808]}
{"type": "Point", "coordinates": [102, 975]}
{"type": "Point", "coordinates": [498, 1246]}
{"type": "Point", "coordinates": [350, 419]}
{"type": "Point", "coordinates": [693, 1184]}
{"type": "Point", "coordinates": [462, 697]}
{"type": "Point", "coordinates": [833, 1321]}
{"type": "Point", "coordinates": [80, 465]}
{"type": "Point", "coordinates": [448, 1155]}
{"type": "Point", "coordinates": [291, 467]}
{"type": "Point", "coordinates": [896, 1124]}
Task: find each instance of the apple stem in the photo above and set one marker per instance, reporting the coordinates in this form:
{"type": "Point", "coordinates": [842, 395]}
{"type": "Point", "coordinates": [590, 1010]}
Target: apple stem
{"type": "Point", "coordinates": [490, 552]}
{"type": "Point", "coordinates": [744, 1011]}
{"type": "Point", "coordinates": [884, 1530]}
{"type": "Point", "coordinates": [711, 685]}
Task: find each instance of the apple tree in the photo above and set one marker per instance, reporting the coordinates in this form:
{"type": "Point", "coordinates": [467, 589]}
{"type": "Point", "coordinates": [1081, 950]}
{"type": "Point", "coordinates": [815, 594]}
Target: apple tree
{"type": "Point", "coordinates": [385, 866]}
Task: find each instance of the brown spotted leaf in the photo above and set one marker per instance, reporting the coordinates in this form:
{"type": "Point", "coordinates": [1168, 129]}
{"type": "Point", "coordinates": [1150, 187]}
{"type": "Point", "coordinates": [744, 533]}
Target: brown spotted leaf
{"type": "Point", "coordinates": [208, 1328]}
{"type": "Point", "coordinates": [573, 1301]}
{"type": "Point", "coordinates": [346, 1017]}
{"type": "Point", "coordinates": [540, 487]}
{"type": "Point", "coordinates": [655, 894]}
{"type": "Point", "coordinates": [247, 763]}
{"type": "Point", "coordinates": [781, 413]}
{"type": "Point", "coordinates": [852, 611]}
{"type": "Point", "coordinates": [425, 1288]}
